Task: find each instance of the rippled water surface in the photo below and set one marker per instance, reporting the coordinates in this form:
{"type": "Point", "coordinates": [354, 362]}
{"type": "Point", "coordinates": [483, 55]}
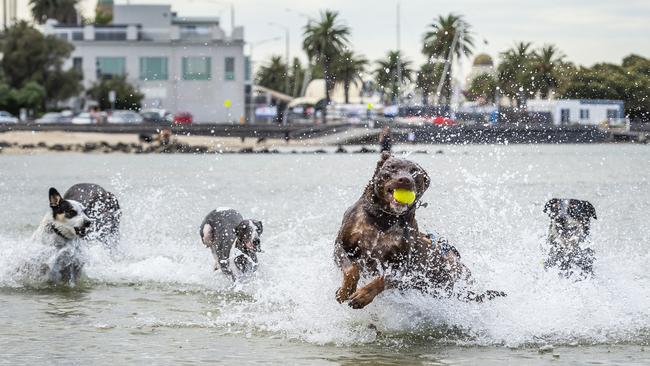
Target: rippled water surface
{"type": "Point", "coordinates": [156, 299]}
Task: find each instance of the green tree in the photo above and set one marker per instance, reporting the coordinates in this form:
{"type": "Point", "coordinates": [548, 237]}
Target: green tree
{"type": "Point", "coordinates": [297, 78]}
{"type": "Point", "coordinates": [102, 17]}
{"type": "Point", "coordinates": [127, 96]}
{"type": "Point", "coordinates": [517, 73]}
{"type": "Point", "coordinates": [547, 64]}
{"type": "Point", "coordinates": [439, 40]}
{"type": "Point", "coordinates": [427, 79]}
{"type": "Point", "coordinates": [386, 74]}
{"type": "Point", "coordinates": [348, 69]}
{"type": "Point", "coordinates": [629, 82]}
{"type": "Point", "coordinates": [273, 74]}
{"type": "Point", "coordinates": [324, 41]}
{"type": "Point", "coordinates": [483, 86]}
{"type": "Point", "coordinates": [64, 11]}
{"type": "Point", "coordinates": [30, 96]}
{"type": "Point", "coordinates": [30, 56]}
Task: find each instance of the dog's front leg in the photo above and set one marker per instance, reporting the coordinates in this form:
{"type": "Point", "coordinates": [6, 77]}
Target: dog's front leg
{"type": "Point", "coordinates": [364, 296]}
{"type": "Point", "coordinates": [350, 279]}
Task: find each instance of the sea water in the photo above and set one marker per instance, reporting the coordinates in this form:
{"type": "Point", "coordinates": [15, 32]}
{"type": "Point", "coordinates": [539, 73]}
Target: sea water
{"type": "Point", "coordinates": [156, 298]}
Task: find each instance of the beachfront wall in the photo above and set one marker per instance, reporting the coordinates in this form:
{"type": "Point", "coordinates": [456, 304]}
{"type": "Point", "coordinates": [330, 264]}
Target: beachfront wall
{"type": "Point", "coordinates": [179, 64]}
{"type": "Point", "coordinates": [580, 111]}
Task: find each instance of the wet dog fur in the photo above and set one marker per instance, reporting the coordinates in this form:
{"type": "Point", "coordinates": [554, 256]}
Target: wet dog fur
{"type": "Point", "coordinates": [61, 228]}
{"type": "Point", "coordinates": [568, 233]}
{"type": "Point", "coordinates": [380, 238]}
{"type": "Point", "coordinates": [223, 229]}
{"type": "Point", "coordinates": [103, 210]}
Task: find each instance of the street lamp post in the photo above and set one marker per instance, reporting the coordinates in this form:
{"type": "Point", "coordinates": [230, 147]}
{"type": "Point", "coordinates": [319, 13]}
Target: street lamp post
{"type": "Point", "coordinates": [251, 46]}
{"type": "Point", "coordinates": [286, 53]}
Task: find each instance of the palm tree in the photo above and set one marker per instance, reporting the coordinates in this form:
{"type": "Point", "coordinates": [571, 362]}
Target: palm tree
{"type": "Point", "coordinates": [546, 64]}
{"type": "Point", "coordinates": [272, 74]}
{"type": "Point", "coordinates": [348, 69]}
{"type": "Point", "coordinates": [516, 72]}
{"type": "Point", "coordinates": [386, 73]}
{"type": "Point", "coordinates": [427, 79]}
{"type": "Point", "coordinates": [64, 11]}
{"type": "Point", "coordinates": [324, 41]}
{"type": "Point", "coordinates": [439, 40]}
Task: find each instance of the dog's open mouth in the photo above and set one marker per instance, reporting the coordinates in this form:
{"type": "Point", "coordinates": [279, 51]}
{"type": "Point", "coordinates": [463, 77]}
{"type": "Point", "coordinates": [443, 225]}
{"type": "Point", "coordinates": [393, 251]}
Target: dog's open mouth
{"type": "Point", "coordinates": [396, 206]}
{"type": "Point", "coordinates": [81, 231]}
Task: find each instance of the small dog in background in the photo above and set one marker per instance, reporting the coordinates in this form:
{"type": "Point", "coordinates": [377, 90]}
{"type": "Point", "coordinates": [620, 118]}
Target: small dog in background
{"type": "Point", "coordinates": [60, 229]}
{"type": "Point", "coordinates": [568, 232]}
{"type": "Point", "coordinates": [224, 228]}
{"type": "Point", "coordinates": [103, 210]}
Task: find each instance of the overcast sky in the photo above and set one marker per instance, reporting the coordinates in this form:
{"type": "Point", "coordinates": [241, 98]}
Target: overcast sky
{"type": "Point", "coordinates": [587, 31]}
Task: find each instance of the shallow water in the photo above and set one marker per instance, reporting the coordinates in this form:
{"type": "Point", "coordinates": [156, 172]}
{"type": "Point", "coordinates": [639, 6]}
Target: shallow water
{"type": "Point", "coordinates": [157, 299]}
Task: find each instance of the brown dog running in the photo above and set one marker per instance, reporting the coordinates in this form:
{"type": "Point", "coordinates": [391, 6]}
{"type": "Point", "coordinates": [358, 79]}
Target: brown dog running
{"type": "Point", "coordinates": [380, 237]}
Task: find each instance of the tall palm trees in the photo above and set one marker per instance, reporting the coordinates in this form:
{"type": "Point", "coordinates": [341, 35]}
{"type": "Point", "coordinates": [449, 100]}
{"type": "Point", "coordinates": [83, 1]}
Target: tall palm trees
{"type": "Point", "coordinates": [516, 72]}
{"type": "Point", "coordinates": [445, 33]}
{"type": "Point", "coordinates": [427, 79]}
{"type": "Point", "coordinates": [62, 10]}
{"type": "Point", "coordinates": [348, 69]}
{"type": "Point", "coordinates": [324, 41]}
{"type": "Point", "coordinates": [386, 73]}
{"type": "Point", "coordinates": [546, 66]}
{"type": "Point", "coordinates": [273, 74]}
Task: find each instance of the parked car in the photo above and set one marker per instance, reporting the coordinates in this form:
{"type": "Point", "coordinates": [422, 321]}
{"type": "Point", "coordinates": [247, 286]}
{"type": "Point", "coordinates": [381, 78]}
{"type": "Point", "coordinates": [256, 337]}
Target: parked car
{"type": "Point", "coordinates": [83, 118]}
{"type": "Point", "coordinates": [442, 121]}
{"type": "Point", "coordinates": [124, 116]}
{"type": "Point", "coordinates": [53, 117]}
{"type": "Point", "coordinates": [156, 116]}
{"type": "Point", "coordinates": [6, 117]}
{"type": "Point", "coordinates": [183, 118]}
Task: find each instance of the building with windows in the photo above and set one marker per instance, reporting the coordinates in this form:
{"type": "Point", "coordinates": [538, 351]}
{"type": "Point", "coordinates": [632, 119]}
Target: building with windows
{"type": "Point", "coordinates": [181, 64]}
{"type": "Point", "coordinates": [580, 111]}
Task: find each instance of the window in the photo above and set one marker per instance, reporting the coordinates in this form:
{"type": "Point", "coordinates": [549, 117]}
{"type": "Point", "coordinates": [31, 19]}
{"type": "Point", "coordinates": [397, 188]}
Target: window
{"type": "Point", "coordinates": [612, 113]}
{"type": "Point", "coordinates": [196, 68]}
{"type": "Point", "coordinates": [77, 64]}
{"type": "Point", "coordinates": [109, 67]}
{"type": "Point", "coordinates": [77, 36]}
{"type": "Point", "coordinates": [229, 73]}
{"type": "Point", "coordinates": [247, 68]}
{"type": "Point", "coordinates": [153, 68]}
{"type": "Point", "coordinates": [565, 115]}
{"type": "Point", "coordinates": [584, 114]}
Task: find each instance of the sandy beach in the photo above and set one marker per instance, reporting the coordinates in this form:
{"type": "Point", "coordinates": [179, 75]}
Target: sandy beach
{"type": "Point", "coordinates": [35, 142]}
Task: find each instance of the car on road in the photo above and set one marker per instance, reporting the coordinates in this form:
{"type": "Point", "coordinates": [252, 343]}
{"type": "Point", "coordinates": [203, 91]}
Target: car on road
{"type": "Point", "coordinates": [124, 116]}
{"type": "Point", "coordinates": [183, 118]}
{"type": "Point", "coordinates": [6, 117]}
{"type": "Point", "coordinates": [84, 118]}
{"type": "Point", "coordinates": [156, 116]}
{"type": "Point", "coordinates": [53, 117]}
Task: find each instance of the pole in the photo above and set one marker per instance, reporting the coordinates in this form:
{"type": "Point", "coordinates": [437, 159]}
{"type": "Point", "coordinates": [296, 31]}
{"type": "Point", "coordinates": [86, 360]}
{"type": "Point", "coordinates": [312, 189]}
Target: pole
{"type": "Point", "coordinates": [4, 14]}
{"type": "Point", "coordinates": [252, 101]}
{"type": "Point", "coordinates": [399, 56]}
{"type": "Point", "coordinates": [232, 18]}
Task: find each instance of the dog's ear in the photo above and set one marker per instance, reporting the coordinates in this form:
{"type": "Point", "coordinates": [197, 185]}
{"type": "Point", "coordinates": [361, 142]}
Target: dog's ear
{"type": "Point", "coordinates": [588, 210]}
{"type": "Point", "coordinates": [55, 197]}
{"type": "Point", "coordinates": [259, 226]}
{"type": "Point", "coordinates": [384, 156]}
{"type": "Point", "coordinates": [550, 207]}
{"type": "Point", "coordinates": [426, 179]}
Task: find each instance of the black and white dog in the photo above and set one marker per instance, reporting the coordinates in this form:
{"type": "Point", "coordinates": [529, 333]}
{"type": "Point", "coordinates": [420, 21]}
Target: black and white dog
{"type": "Point", "coordinates": [224, 228]}
{"type": "Point", "coordinates": [567, 234]}
{"type": "Point", "coordinates": [60, 230]}
{"type": "Point", "coordinates": [102, 209]}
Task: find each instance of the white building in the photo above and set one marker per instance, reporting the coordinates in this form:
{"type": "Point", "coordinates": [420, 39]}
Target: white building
{"type": "Point", "coordinates": [180, 64]}
{"type": "Point", "coordinates": [580, 111]}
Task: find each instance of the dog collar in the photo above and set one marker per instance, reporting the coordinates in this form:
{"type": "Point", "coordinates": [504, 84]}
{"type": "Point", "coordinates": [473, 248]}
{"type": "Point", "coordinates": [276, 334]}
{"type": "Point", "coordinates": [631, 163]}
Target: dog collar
{"type": "Point", "coordinates": [56, 231]}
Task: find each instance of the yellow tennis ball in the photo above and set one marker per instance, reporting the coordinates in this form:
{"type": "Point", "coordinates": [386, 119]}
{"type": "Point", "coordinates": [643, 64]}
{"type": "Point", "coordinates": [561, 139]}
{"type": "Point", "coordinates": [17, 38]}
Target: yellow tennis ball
{"type": "Point", "coordinates": [227, 103]}
{"type": "Point", "coordinates": [404, 196]}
